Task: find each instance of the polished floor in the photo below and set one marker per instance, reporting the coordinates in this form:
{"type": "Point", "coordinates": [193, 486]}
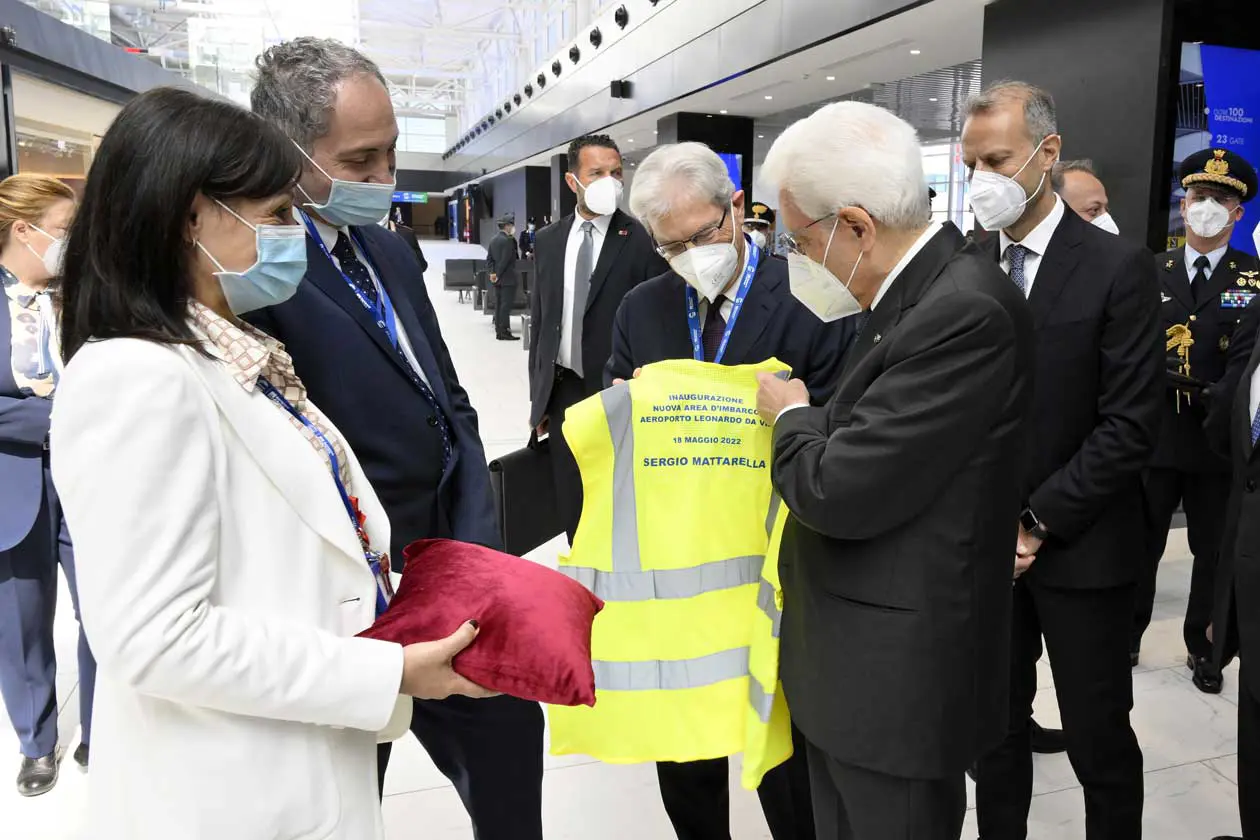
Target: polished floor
{"type": "Point", "coordinates": [1189, 739]}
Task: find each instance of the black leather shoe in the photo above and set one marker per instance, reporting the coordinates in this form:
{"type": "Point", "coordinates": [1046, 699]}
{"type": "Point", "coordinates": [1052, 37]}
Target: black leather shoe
{"type": "Point", "coordinates": [81, 756]}
{"type": "Point", "coordinates": [1207, 677]}
{"type": "Point", "coordinates": [1047, 741]}
{"type": "Point", "coordinates": [1227, 837]}
{"type": "Point", "coordinates": [508, 337]}
{"type": "Point", "coordinates": [37, 775]}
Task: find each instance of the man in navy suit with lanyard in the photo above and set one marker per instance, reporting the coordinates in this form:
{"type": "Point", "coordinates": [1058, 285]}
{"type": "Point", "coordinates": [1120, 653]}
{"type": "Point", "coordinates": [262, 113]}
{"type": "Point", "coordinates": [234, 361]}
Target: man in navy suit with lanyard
{"type": "Point", "coordinates": [365, 339]}
{"type": "Point", "coordinates": [728, 302]}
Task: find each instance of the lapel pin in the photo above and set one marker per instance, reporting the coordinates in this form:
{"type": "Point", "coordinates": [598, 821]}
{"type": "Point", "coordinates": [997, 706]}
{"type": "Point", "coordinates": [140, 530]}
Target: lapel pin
{"type": "Point", "coordinates": [1168, 265]}
{"type": "Point", "coordinates": [878, 338]}
{"type": "Point", "coordinates": [623, 232]}
{"type": "Point", "coordinates": [1232, 265]}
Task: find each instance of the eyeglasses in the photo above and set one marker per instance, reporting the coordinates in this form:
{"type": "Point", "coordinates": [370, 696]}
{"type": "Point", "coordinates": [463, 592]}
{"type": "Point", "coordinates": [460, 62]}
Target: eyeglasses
{"type": "Point", "coordinates": [788, 241]}
{"type": "Point", "coordinates": [705, 236]}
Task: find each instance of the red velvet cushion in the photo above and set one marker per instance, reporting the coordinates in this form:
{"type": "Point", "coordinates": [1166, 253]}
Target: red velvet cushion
{"type": "Point", "coordinates": [535, 640]}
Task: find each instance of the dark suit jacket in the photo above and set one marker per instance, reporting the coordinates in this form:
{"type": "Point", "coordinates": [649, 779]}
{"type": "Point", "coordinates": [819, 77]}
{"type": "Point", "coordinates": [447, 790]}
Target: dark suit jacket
{"type": "Point", "coordinates": [1237, 620]}
{"type": "Point", "coordinates": [896, 563]}
{"type": "Point", "coordinates": [1214, 326]}
{"type": "Point", "coordinates": [413, 242]}
{"type": "Point", "coordinates": [651, 326]}
{"type": "Point", "coordinates": [501, 259]}
{"type": "Point", "coordinates": [24, 424]}
{"type": "Point", "coordinates": [1220, 414]}
{"type": "Point", "coordinates": [627, 259]}
{"type": "Point", "coordinates": [355, 377]}
{"type": "Point", "coordinates": [1096, 404]}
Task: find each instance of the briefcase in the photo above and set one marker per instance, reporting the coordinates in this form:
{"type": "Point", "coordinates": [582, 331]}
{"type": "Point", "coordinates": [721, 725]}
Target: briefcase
{"type": "Point", "coordinates": [525, 496]}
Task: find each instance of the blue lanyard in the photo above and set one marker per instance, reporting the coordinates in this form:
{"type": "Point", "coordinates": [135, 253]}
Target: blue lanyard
{"type": "Point", "coordinates": [383, 310]}
{"type": "Point", "coordinates": [693, 309]}
{"type": "Point", "coordinates": [373, 558]}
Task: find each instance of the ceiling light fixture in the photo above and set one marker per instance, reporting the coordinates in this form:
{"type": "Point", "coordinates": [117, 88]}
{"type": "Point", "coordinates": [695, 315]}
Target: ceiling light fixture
{"type": "Point", "coordinates": [761, 137]}
{"type": "Point", "coordinates": [723, 111]}
{"type": "Point", "coordinates": [769, 97]}
{"type": "Point", "coordinates": [831, 78]}
{"type": "Point", "coordinates": [931, 99]}
{"type": "Point", "coordinates": [916, 52]}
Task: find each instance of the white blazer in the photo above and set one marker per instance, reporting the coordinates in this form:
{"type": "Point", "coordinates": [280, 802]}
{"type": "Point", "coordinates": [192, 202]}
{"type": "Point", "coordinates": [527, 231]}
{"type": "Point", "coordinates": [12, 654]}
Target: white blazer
{"type": "Point", "coordinates": [221, 584]}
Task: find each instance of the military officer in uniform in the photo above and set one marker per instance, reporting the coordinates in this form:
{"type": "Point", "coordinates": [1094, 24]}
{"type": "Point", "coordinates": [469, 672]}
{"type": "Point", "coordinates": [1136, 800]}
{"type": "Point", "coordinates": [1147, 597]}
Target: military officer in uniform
{"type": "Point", "coordinates": [501, 260]}
{"type": "Point", "coordinates": [1206, 286]}
{"type": "Point", "coordinates": [759, 225]}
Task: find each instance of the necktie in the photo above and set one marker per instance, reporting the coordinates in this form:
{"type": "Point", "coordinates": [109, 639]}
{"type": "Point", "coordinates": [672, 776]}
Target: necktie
{"type": "Point", "coordinates": [353, 268]}
{"type": "Point", "coordinates": [1255, 427]}
{"type": "Point", "coordinates": [1015, 254]}
{"type": "Point", "coordinates": [1200, 281]}
{"type": "Point", "coordinates": [47, 323]}
{"type": "Point", "coordinates": [581, 291]}
{"type": "Point", "coordinates": [714, 329]}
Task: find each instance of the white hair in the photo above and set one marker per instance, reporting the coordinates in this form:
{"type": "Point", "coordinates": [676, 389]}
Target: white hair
{"type": "Point", "coordinates": [677, 172]}
{"type": "Point", "coordinates": [851, 154]}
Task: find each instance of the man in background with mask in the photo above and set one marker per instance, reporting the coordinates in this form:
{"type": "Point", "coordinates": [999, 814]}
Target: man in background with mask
{"type": "Point", "coordinates": [1206, 288]}
{"type": "Point", "coordinates": [365, 339]}
{"type": "Point", "coordinates": [724, 301]}
{"type": "Point", "coordinates": [1096, 402]}
{"type": "Point", "coordinates": [896, 560]}
{"type": "Point", "coordinates": [759, 225]}
{"type": "Point", "coordinates": [1078, 185]}
{"type": "Point", "coordinates": [583, 266]}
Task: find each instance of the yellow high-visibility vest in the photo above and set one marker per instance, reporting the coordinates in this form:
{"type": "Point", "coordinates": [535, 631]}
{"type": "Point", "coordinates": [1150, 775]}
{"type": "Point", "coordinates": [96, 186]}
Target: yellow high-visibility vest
{"type": "Point", "coordinates": [676, 519]}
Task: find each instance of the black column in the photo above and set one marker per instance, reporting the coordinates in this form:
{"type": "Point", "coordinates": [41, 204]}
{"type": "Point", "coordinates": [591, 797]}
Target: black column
{"type": "Point", "coordinates": [723, 134]}
{"type": "Point", "coordinates": [1108, 67]}
{"type": "Point", "coordinates": [8, 126]}
{"type": "Point", "coordinates": [563, 201]}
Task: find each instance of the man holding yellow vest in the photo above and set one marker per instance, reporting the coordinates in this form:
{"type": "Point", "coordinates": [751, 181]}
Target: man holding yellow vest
{"type": "Point", "coordinates": [896, 561]}
{"type": "Point", "coordinates": [725, 302]}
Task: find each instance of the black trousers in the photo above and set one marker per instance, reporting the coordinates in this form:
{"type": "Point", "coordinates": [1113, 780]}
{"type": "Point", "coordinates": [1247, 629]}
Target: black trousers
{"type": "Point", "coordinates": [1205, 497]}
{"type": "Point", "coordinates": [1086, 634]}
{"type": "Point", "coordinates": [492, 751]}
{"type": "Point", "coordinates": [1248, 754]}
{"type": "Point", "coordinates": [504, 297]}
{"type": "Point", "coordinates": [697, 797]}
{"type": "Point", "coordinates": [569, 390]}
{"type": "Point", "coordinates": [851, 803]}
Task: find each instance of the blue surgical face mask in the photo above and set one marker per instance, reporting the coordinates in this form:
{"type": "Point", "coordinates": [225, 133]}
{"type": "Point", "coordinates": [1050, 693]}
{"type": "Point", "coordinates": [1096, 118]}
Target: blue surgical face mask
{"type": "Point", "coordinates": [275, 274]}
{"type": "Point", "coordinates": [350, 203]}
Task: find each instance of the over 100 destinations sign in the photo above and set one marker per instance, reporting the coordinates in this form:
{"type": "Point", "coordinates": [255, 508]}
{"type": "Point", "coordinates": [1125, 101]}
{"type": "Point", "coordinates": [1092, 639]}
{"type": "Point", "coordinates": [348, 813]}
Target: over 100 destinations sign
{"type": "Point", "coordinates": [411, 198]}
{"type": "Point", "coordinates": [1233, 103]}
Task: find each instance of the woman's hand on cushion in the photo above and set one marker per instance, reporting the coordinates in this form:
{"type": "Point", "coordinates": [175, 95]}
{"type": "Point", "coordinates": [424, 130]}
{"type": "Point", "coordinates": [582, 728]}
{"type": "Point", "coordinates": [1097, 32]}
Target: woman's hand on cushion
{"type": "Point", "coordinates": [427, 670]}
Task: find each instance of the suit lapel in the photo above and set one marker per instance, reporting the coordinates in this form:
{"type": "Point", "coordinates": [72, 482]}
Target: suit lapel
{"type": "Point", "coordinates": [8, 385]}
{"type": "Point", "coordinates": [1222, 278]}
{"type": "Point", "coordinates": [755, 317]}
{"type": "Point", "coordinates": [288, 460]}
{"type": "Point", "coordinates": [614, 240]}
{"type": "Point", "coordinates": [552, 282]}
{"type": "Point", "coordinates": [1175, 280]}
{"type": "Point", "coordinates": [1056, 268]}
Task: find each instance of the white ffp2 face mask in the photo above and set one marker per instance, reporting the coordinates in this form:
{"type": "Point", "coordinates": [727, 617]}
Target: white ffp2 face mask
{"type": "Point", "coordinates": [1207, 218]}
{"type": "Point", "coordinates": [1105, 222]}
{"type": "Point", "coordinates": [998, 201]}
{"type": "Point", "coordinates": [53, 255]}
{"type": "Point", "coordinates": [759, 238]}
{"type": "Point", "coordinates": [709, 268]}
{"type": "Point", "coordinates": [602, 196]}
{"type": "Point", "coordinates": [820, 291]}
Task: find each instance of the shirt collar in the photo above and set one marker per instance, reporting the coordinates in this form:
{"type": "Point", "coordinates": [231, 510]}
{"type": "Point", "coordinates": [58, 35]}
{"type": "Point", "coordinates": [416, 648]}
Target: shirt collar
{"type": "Point", "coordinates": [906, 258]}
{"type": "Point", "coordinates": [327, 233]}
{"type": "Point", "coordinates": [601, 223]}
{"type": "Point", "coordinates": [1214, 258]}
{"type": "Point", "coordinates": [1038, 239]}
{"type": "Point", "coordinates": [17, 291]}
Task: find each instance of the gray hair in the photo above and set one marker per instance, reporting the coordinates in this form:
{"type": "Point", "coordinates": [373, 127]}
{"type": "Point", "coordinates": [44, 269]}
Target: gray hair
{"type": "Point", "coordinates": [1039, 113]}
{"type": "Point", "coordinates": [851, 154]}
{"type": "Point", "coordinates": [296, 84]}
{"type": "Point", "coordinates": [1063, 167]}
{"type": "Point", "coordinates": [674, 172]}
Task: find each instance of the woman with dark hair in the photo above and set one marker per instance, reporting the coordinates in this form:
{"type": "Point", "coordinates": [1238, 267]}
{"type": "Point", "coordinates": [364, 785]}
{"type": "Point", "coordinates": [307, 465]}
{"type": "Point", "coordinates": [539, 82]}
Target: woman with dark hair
{"type": "Point", "coordinates": [35, 212]}
{"type": "Point", "coordinates": [223, 527]}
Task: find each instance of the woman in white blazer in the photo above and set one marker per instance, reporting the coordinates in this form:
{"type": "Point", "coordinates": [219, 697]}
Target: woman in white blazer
{"type": "Point", "coordinates": [222, 578]}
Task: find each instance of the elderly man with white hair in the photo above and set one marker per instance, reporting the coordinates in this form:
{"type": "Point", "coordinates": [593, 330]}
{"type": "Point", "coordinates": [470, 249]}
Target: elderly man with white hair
{"type": "Point", "coordinates": [724, 301]}
{"type": "Point", "coordinates": [896, 561]}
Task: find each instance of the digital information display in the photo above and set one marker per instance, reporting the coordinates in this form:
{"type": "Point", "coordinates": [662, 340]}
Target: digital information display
{"type": "Point", "coordinates": [411, 198]}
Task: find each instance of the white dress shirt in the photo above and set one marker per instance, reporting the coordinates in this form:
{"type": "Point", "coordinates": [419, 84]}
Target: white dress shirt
{"type": "Point", "coordinates": [564, 358]}
{"type": "Point", "coordinates": [1037, 241]}
{"type": "Point", "coordinates": [906, 258]}
{"type": "Point", "coordinates": [328, 234]}
{"type": "Point", "coordinates": [1214, 259]}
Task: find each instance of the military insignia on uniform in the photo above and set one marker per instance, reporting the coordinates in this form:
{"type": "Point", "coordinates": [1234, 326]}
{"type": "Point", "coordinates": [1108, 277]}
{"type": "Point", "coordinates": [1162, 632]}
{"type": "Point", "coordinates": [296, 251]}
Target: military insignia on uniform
{"type": "Point", "coordinates": [1168, 265]}
{"type": "Point", "coordinates": [1180, 340]}
{"type": "Point", "coordinates": [1236, 298]}
{"type": "Point", "coordinates": [1233, 266]}
{"type": "Point", "coordinates": [1218, 165]}
{"type": "Point", "coordinates": [1164, 297]}
{"type": "Point", "coordinates": [1223, 343]}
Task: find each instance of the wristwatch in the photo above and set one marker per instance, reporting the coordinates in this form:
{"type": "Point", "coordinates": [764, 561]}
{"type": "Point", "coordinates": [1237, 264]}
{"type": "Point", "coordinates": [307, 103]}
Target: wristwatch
{"type": "Point", "coordinates": [1032, 525]}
